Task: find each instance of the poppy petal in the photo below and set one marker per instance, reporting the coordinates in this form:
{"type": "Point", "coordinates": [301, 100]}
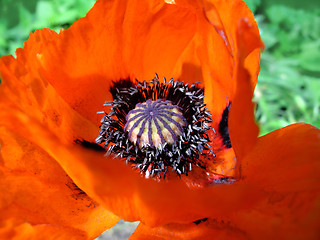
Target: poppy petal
{"type": "Point", "coordinates": [135, 39]}
{"type": "Point", "coordinates": [224, 18]}
{"type": "Point", "coordinates": [285, 164]}
{"type": "Point", "coordinates": [11, 229]}
{"type": "Point", "coordinates": [23, 89]}
{"type": "Point", "coordinates": [140, 38]}
{"type": "Point", "coordinates": [202, 229]}
{"type": "Point", "coordinates": [97, 175]}
{"type": "Point", "coordinates": [236, 25]}
{"type": "Point", "coordinates": [295, 157]}
{"type": "Point", "coordinates": [134, 198]}
{"type": "Point", "coordinates": [125, 192]}
{"type": "Point", "coordinates": [114, 184]}
{"type": "Point", "coordinates": [131, 196]}
{"type": "Point", "coordinates": [290, 177]}
{"type": "Point", "coordinates": [243, 128]}
{"type": "Point", "coordinates": [38, 198]}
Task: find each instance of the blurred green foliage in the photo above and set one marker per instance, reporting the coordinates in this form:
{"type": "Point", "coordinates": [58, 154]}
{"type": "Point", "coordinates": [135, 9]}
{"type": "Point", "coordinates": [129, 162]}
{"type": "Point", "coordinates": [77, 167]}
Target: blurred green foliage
{"type": "Point", "coordinates": [288, 90]}
{"type": "Point", "coordinates": [20, 17]}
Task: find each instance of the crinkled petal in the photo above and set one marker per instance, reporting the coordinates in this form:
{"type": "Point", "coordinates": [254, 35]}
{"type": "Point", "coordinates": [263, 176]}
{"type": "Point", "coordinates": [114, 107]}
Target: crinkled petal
{"type": "Point", "coordinates": [36, 190]}
{"type": "Point", "coordinates": [40, 82]}
{"type": "Point", "coordinates": [213, 54]}
{"type": "Point", "coordinates": [204, 229]}
{"type": "Point", "coordinates": [242, 126]}
{"type": "Point", "coordinates": [281, 167]}
{"type": "Point", "coordinates": [132, 39]}
{"type": "Point", "coordinates": [16, 230]}
{"type": "Point", "coordinates": [124, 191]}
{"type": "Point", "coordinates": [135, 198]}
{"type": "Point", "coordinates": [276, 189]}
{"type": "Point", "coordinates": [224, 17]}
{"type": "Point", "coordinates": [235, 24]}
{"type": "Point", "coordinates": [23, 87]}
{"type": "Point", "coordinates": [285, 164]}
{"type": "Point", "coordinates": [283, 203]}
{"type": "Point", "coordinates": [193, 41]}
{"type": "Point", "coordinates": [295, 159]}
{"type": "Point", "coordinates": [39, 198]}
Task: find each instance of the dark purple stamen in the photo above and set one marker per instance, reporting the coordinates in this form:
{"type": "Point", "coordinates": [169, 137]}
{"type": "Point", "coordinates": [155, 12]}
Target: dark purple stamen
{"type": "Point", "coordinates": [156, 126]}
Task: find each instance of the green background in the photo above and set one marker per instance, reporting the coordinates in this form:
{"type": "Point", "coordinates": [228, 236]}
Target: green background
{"type": "Point", "coordinates": [288, 89]}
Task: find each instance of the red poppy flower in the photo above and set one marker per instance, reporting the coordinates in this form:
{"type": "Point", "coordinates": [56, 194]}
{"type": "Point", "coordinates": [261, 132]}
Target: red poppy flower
{"type": "Point", "coordinates": [55, 184]}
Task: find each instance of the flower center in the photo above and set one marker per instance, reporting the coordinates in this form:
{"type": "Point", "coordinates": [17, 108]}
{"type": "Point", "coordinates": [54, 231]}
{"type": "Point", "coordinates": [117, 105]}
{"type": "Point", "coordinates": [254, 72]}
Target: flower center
{"type": "Point", "coordinates": [157, 126]}
{"type": "Point", "coordinates": [154, 122]}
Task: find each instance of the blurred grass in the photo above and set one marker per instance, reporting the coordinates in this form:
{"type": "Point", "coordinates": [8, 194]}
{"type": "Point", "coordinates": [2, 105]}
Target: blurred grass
{"type": "Point", "coordinates": [20, 17]}
{"type": "Point", "coordinates": [289, 81]}
{"type": "Point", "coordinates": [288, 89]}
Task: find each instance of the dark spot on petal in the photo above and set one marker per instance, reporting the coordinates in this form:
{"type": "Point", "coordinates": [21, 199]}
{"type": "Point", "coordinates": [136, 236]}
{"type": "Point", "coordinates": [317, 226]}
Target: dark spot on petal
{"type": "Point", "coordinates": [75, 189]}
{"type": "Point", "coordinates": [223, 127]}
{"type": "Point", "coordinates": [197, 222]}
{"type": "Point", "coordinates": [90, 145]}
{"type": "Point", "coordinates": [79, 195]}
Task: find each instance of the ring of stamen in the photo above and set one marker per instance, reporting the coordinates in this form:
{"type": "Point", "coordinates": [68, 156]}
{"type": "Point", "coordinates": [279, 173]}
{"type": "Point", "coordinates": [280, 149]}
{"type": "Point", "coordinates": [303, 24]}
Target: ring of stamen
{"type": "Point", "coordinates": [155, 126]}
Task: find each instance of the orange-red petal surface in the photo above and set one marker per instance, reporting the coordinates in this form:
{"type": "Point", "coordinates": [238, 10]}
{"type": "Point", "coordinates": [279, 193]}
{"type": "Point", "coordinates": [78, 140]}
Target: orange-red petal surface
{"type": "Point", "coordinates": [193, 41]}
{"type": "Point", "coordinates": [39, 199]}
{"type": "Point", "coordinates": [281, 167]}
{"type": "Point", "coordinates": [242, 127]}
{"type": "Point", "coordinates": [36, 192]}
{"type": "Point", "coordinates": [15, 230]}
{"type": "Point", "coordinates": [31, 84]}
{"type": "Point", "coordinates": [24, 87]}
{"type": "Point", "coordinates": [204, 230]}
{"type": "Point", "coordinates": [189, 40]}
{"type": "Point", "coordinates": [241, 36]}
{"type": "Point", "coordinates": [286, 165]}
{"type": "Point", "coordinates": [127, 193]}
{"type": "Point", "coordinates": [117, 39]}
{"type": "Point", "coordinates": [48, 106]}
{"type": "Point", "coordinates": [262, 193]}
